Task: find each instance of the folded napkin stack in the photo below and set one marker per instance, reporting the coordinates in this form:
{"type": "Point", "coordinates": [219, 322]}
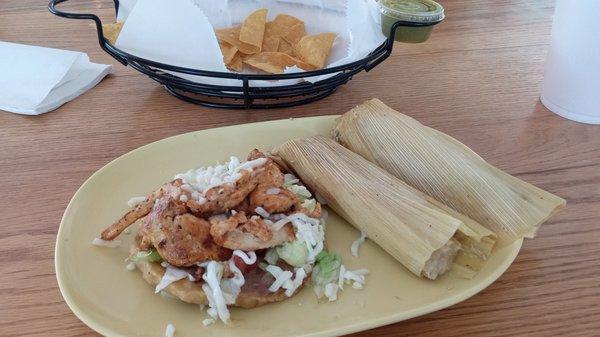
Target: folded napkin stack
{"type": "Point", "coordinates": [35, 80]}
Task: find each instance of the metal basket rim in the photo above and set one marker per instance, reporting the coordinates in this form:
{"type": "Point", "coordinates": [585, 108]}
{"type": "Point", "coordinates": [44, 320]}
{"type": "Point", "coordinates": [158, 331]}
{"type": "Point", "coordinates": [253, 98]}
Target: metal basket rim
{"type": "Point", "coordinates": [126, 58]}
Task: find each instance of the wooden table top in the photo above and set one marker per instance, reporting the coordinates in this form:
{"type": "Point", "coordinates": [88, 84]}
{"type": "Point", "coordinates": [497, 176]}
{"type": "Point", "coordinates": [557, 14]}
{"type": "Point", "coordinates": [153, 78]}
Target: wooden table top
{"type": "Point", "coordinates": [478, 79]}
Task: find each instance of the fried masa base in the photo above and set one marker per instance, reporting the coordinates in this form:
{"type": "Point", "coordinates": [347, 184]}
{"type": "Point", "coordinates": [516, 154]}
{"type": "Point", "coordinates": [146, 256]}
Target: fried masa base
{"type": "Point", "coordinates": [251, 296]}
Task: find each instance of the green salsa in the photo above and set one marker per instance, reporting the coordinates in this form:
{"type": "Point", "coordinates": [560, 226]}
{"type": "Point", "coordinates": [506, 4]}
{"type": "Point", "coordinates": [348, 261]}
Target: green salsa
{"type": "Point", "coordinates": [417, 11]}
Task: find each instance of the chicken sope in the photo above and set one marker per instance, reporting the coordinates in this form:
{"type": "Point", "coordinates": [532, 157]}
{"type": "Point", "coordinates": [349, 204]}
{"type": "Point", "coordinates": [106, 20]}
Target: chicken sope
{"type": "Point", "coordinates": [244, 233]}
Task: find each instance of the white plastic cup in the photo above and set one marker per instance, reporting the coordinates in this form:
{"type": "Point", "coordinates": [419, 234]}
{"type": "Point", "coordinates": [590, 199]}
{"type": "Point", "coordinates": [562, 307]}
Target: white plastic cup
{"type": "Point", "coordinates": [571, 86]}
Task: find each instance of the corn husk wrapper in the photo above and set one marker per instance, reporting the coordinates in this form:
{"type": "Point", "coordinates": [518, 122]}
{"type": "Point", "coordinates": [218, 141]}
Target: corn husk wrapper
{"type": "Point", "coordinates": [447, 170]}
{"type": "Point", "coordinates": [403, 221]}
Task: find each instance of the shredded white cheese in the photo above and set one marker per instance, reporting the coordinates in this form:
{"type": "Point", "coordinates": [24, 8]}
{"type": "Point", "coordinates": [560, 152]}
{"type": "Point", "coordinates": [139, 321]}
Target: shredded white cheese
{"type": "Point", "coordinates": [170, 331]}
{"type": "Point", "coordinates": [357, 285]}
{"type": "Point", "coordinates": [308, 230]}
{"type": "Point", "coordinates": [280, 275]}
{"type": "Point", "coordinates": [311, 233]}
{"type": "Point", "coordinates": [130, 266]}
{"type": "Point", "coordinates": [356, 244]}
{"type": "Point", "coordinates": [285, 279]}
{"type": "Point", "coordinates": [296, 283]}
{"type": "Point", "coordinates": [198, 181]}
{"type": "Point", "coordinates": [296, 216]}
{"type": "Point", "coordinates": [221, 292]}
{"type": "Point", "coordinates": [262, 212]}
{"type": "Point", "coordinates": [331, 290]}
{"type": "Point", "coordinates": [273, 191]}
{"type": "Point", "coordinates": [212, 289]}
{"type": "Point", "coordinates": [341, 277]}
{"type": "Point", "coordinates": [171, 275]}
{"type": "Point", "coordinates": [134, 201]}
{"type": "Point", "coordinates": [238, 278]}
{"type": "Point", "coordinates": [355, 276]}
{"type": "Point", "coordinates": [248, 258]}
{"type": "Point", "coordinates": [277, 216]}
{"type": "Point", "coordinates": [106, 243]}
{"type": "Point", "coordinates": [212, 312]}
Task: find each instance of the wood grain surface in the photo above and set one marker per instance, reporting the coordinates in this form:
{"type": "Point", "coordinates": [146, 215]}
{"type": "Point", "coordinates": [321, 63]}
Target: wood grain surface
{"type": "Point", "coordinates": [478, 79]}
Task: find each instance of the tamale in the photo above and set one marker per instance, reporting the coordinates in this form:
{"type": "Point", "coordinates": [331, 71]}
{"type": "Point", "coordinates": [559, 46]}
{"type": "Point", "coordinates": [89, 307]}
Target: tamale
{"type": "Point", "coordinates": [446, 170]}
{"type": "Point", "coordinates": [475, 240]}
{"type": "Point", "coordinates": [402, 220]}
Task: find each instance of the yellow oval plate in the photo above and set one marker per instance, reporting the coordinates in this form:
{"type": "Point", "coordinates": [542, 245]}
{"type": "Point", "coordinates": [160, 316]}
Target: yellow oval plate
{"type": "Point", "coordinates": [117, 302]}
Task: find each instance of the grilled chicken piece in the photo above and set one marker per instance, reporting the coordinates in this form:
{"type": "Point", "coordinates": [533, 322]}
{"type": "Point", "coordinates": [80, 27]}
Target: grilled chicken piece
{"type": "Point", "coordinates": [269, 174]}
{"type": "Point", "coordinates": [181, 238]}
{"type": "Point", "coordinates": [222, 198]}
{"type": "Point", "coordinates": [239, 232]}
{"type": "Point", "coordinates": [280, 202]}
{"type": "Point", "coordinates": [316, 213]}
{"type": "Point", "coordinates": [171, 190]}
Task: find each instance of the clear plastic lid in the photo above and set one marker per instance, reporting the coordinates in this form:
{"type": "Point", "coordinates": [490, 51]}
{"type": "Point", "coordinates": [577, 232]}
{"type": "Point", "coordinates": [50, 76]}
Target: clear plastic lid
{"type": "Point", "coordinates": [421, 11]}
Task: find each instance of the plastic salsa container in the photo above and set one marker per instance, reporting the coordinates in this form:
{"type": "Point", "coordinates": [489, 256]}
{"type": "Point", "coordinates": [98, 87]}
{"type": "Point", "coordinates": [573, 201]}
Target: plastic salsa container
{"type": "Point", "coordinates": [416, 11]}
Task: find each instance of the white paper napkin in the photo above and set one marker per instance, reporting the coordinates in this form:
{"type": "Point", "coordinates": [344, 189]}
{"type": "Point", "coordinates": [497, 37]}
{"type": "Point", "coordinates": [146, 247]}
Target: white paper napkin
{"type": "Point", "coordinates": [35, 80]}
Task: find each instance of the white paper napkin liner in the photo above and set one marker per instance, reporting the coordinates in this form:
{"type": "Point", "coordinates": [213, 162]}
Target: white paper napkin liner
{"type": "Point", "coordinates": [173, 32]}
{"type": "Point", "coordinates": [160, 28]}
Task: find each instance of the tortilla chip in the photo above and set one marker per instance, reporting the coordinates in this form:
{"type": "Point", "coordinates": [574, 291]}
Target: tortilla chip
{"type": "Point", "coordinates": [270, 38]}
{"type": "Point", "coordinates": [236, 63]}
{"type": "Point", "coordinates": [232, 36]}
{"type": "Point", "coordinates": [270, 43]}
{"type": "Point", "coordinates": [315, 49]}
{"type": "Point", "coordinates": [289, 28]}
{"type": "Point", "coordinates": [274, 62]}
{"type": "Point", "coordinates": [111, 31]}
{"type": "Point", "coordinates": [286, 47]}
{"type": "Point", "coordinates": [228, 51]}
{"type": "Point", "coordinates": [253, 28]}
{"type": "Point", "coordinates": [286, 21]}
{"type": "Point", "coordinates": [294, 33]}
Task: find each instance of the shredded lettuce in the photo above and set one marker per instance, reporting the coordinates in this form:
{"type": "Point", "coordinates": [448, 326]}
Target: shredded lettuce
{"type": "Point", "coordinates": [300, 191]}
{"type": "Point", "coordinates": [294, 253]}
{"type": "Point", "coordinates": [271, 256]}
{"type": "Point", "coordinates": [310, 204]}
{"type": "Point", "coordinates": [291, 182]}
{"type": "Point", "coordinates": [146, 255]}
{"type": "Point", "coordinates": [263, 265]}
{"type": "Point", "coordinates": [326, 270]}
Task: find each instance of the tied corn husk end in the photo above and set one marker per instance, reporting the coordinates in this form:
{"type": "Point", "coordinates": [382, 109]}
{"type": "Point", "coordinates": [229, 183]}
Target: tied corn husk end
{"type": "Point", "coordinates": [447, 170]}
{"type": "Point", "coordinates": [405, 222]}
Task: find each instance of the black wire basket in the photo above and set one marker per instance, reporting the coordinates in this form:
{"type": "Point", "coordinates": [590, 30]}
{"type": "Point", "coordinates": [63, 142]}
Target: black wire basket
{"type": "Point", "coordinates": [244, 96]}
